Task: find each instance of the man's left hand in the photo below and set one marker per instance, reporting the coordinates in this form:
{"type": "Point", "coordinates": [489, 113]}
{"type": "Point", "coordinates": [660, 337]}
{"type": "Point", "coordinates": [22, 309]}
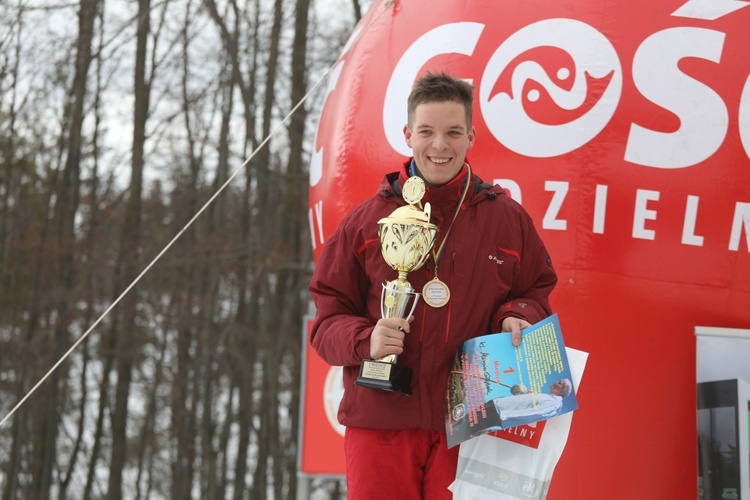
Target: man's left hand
{"type": "Point", "coordinates": [514, 326]}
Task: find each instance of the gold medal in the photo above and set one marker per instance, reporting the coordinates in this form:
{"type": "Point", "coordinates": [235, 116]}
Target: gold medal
{"type": "Point", "coordinates": [413, 190]}
{"type": "Point", "coordinates": [436, 293]}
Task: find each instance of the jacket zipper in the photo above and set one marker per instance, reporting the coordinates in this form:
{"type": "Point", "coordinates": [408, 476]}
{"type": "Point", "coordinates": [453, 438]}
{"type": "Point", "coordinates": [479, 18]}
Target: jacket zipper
{"type": "Point", "coordinates": [450, 302]}
{"type": "Point", "coordinates": [424, 308]}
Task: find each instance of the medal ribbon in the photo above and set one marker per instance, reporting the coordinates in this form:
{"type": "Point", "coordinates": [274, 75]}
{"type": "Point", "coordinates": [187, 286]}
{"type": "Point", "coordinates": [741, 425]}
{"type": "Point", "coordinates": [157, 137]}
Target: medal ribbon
{"type": "Point", "coordinates": [439, 253]}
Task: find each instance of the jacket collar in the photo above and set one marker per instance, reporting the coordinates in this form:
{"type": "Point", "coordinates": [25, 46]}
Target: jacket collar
{"type": "Point", "coordinates": [448, 194]}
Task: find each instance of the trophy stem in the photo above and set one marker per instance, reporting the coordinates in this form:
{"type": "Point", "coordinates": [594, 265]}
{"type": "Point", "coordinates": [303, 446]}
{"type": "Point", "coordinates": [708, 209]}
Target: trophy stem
{"type": "Point", "coordinates": [396, 297]}
{"type": "Point", "coordinates": [397, 300]}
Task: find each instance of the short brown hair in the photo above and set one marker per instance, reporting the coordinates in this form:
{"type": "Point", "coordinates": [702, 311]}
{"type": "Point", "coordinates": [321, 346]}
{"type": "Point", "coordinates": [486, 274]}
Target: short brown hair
{"type": "Point", "coordinates": [441, 87]}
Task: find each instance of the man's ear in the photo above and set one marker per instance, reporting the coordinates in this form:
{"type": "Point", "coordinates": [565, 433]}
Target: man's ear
{"type": "Point", "coordinates": [407, 135]}
{"type": "Point", "coordinates": [471, 136]}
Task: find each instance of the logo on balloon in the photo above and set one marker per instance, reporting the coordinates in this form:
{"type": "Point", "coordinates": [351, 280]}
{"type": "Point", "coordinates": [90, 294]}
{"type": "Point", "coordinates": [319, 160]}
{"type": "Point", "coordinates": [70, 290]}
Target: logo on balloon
{"type": "Point", "coordinates": [559, 79]}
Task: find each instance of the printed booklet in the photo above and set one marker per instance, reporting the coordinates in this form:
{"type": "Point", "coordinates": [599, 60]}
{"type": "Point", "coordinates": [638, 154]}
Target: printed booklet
{"type": "Point", "coordinates": [494, 385]}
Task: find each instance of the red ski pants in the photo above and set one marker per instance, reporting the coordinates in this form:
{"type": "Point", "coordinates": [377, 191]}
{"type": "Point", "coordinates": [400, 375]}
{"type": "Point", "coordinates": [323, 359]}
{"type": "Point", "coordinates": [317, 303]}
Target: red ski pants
{"type": "Point", "coordinates": [409, 464]}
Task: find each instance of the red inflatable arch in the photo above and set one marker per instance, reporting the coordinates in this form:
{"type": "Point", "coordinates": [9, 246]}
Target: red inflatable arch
{"type": "Point", "coordinates": [624, 130]}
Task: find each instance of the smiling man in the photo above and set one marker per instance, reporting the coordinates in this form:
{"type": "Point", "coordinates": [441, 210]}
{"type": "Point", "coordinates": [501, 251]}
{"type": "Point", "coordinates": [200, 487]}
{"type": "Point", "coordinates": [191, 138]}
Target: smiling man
{"type": "Point", "coordinates": [489, 271]}
{"type": "Point", "coordinates": [439, 134]}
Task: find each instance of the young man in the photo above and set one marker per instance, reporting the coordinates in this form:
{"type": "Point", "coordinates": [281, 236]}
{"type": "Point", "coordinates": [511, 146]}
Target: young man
{"type": "Point", "coordinates": [491, 265]}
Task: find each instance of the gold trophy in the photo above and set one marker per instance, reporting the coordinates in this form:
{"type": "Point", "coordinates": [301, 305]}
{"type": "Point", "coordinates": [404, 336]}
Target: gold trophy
{"type": "Point", "coordinates": [406, 238]}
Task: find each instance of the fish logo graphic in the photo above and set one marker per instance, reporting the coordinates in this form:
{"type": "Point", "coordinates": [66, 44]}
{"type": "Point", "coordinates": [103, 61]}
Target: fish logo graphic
{"type": "Point", "coordinates": [550, 88]}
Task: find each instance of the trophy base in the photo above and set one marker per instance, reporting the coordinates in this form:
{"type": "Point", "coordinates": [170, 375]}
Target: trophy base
{"type": "Point", "coordinates": [385, 376]}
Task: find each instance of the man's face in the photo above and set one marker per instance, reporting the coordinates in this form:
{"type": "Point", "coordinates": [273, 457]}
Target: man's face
{"type": "Point", "coordinates": [561, 388]}
{"type": "Point", "coordinates": [439, 138]}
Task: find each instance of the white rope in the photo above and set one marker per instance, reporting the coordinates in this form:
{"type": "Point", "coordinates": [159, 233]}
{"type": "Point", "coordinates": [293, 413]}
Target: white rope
{"type": "Point", "coordinates": [83, 337]}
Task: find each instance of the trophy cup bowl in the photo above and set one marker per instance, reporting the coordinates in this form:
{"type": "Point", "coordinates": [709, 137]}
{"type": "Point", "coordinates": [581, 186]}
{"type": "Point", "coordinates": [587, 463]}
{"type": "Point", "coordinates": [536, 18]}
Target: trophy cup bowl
{"type": "Point", "coordinates": [406, 238]}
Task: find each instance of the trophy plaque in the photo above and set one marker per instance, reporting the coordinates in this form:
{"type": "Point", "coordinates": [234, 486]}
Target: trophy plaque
{"type": "Point", "coordinates": [406, 238]}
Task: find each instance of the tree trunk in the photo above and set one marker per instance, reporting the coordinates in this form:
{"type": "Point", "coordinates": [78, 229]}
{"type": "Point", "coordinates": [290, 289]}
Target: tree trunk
{"type": "Point", "coordinates": [90, 293]}
{"type": "Point", "coordinates": [10, 279]}
{"type": "Point", "coordinates": [262, 229]}
{"type": "Point", "coordinates": [293, 227]}
{"type": "Point", "coordinates": [65, 213]}
{"type": "Point", "coordinates": [182, 407]}
{"type": "Point", "coordinates": [357, 11]}
{"type": "Point", "coordinates": [129, 337]}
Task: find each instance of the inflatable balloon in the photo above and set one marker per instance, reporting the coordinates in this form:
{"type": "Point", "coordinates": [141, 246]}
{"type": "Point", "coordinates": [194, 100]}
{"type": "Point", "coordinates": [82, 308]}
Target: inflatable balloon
{"type": "Point", "coordinates": [623, 128]}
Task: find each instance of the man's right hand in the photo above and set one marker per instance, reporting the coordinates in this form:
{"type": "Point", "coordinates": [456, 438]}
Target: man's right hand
{"type": "Point", "coordinates": [388, 337]}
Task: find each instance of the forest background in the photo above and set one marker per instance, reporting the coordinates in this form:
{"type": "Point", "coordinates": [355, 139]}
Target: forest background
{"type": "Point", "coordinates": [119, 120]}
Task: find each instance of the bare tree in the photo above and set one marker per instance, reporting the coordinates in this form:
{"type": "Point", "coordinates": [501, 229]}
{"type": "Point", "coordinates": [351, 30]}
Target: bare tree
{"type": "Point", "coordinates": [10, 242]}
{"type": "Point", "coordinates": [128, 335]}
{"type": "Point", "coordinates": [65, 209]}
{"type": "Point", "coordinates": [357, 10]}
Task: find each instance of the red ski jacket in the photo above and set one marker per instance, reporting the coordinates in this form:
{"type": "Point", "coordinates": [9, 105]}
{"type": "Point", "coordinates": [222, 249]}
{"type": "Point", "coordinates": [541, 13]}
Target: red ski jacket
{"type": "Point", "coordinates": [494, 263]}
